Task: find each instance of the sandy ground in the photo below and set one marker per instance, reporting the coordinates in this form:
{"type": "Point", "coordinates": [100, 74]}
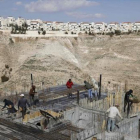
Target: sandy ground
{"type": "Point", "coordinates": [53, 60]}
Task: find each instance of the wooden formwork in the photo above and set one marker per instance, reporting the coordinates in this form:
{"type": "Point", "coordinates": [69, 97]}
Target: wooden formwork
{"type": "Point", "coordinates": [110, 100]}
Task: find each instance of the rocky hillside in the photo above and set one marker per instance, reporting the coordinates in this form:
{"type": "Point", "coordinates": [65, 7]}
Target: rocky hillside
{"type": "Point", "coordinates": [54, 60]}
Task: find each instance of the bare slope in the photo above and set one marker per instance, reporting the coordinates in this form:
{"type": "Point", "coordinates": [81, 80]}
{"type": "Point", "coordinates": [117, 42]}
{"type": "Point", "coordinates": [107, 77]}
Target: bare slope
{"type": "Point", "coordinates": [54, 60]}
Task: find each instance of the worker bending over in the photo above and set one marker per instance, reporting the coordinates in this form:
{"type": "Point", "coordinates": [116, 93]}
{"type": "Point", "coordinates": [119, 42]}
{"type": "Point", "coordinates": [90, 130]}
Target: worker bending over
{"type": "Point", "coordinates": [89, 88]}
{"type": "Point", "coordinates": [9, 105]}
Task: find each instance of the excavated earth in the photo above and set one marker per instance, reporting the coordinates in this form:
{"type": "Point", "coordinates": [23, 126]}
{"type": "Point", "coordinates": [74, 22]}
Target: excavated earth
{"type": "Point", "coordinates": [54, 60]}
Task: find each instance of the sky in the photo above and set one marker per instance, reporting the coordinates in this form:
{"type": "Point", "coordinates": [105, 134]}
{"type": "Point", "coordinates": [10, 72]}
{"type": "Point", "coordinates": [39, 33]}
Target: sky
{"type": "Point", "coordinates": [73, 10]}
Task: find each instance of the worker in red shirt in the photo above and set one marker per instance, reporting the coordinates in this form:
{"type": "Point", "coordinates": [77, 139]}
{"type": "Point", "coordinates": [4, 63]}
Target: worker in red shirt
{"type": "Point", "coordinates": [69, 85]}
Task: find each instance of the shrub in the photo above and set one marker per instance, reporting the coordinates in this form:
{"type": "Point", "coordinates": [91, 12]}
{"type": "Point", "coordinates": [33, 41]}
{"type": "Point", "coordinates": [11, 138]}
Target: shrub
{"type": "Point", "coordinates": [117, 32]}
{"type": "Point", "coordinates": [91, 33]}
{"type": "Point", "coordinates": [66, 32]}
{"type": "Point", "coordinates": [44, 32]}
{"type": "Point", "coordinates": [129, 32]}
{"type": "Point", "coordinates": [110, 33]}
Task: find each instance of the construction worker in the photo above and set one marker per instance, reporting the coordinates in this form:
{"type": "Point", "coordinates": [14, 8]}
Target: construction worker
{"type": "Point", "coordinates": [22, 105]}
{"type": "Point", "coordinates": [127, 101]}
{"type": "Point", "coordinates": [69, 85]}
{"type": "Point", "coordinates": [89, 88]}
{"type": "Point", "coordinates": [112, 114]}
{"type": "Point", "coordinates": [10, 106]}
{"type": "Point", "coordinates": [31, 94]}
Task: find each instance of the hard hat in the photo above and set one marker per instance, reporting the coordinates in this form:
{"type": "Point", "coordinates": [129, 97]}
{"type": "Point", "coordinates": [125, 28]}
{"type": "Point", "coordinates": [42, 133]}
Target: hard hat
{"type": "Point", "coordinates": [22, 95]}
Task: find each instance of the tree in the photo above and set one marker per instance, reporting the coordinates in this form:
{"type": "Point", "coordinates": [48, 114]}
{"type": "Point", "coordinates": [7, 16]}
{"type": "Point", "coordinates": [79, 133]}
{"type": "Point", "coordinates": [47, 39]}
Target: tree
{"type": "Point", "coordinates": [129, 32]}
{"type": "Point", "coordinates": [24, 27]}
{"type": "Point", "coordinates": [44, 32]}
{"type": "Point", "coordinates": [16, 27]}
{"type": "Point", "coordinates": [117, 32]}
{"type": "Point", "coordinates": [110, 33]}
{"type": "Point", "coordinates": [39, 32]}
{"type": "Point", "coordinates": [20, 29]}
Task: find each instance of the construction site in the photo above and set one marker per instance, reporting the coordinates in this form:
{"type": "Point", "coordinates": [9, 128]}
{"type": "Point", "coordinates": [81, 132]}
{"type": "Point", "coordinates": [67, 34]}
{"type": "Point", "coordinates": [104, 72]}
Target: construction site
{"type": "Point", "coordinates": [27, 61]}
{"type": "Point", "coordinates": [57, 117]}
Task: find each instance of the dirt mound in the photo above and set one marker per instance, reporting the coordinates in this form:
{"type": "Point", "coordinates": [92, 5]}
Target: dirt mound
{"type": "Point", "coordinates": [56, 59]}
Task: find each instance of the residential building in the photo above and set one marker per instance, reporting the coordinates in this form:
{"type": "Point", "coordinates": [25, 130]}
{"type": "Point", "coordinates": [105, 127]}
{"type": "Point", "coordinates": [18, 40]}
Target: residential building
{"type": "Point", "coordinates": [111, 27]}
{"type": "Point", "coordinates": [28, 22]}
{"type": "Point", "coordinates": [92, 27]}
{"type": "Point", "coordinates": [11, 20]}
{"type": "Point", "coordinates": [47, 25]}
{"type": "Point", "coordinates": [85, 26]}
{"type": "Point", "coordinates": [136, 26]}
{"type": "Point", "coordinates": [34, 25]}
{"type": "Point", "coordinates": [20, 21]}
{"type": "Point", "coordinates": [126, 27]}
{"type": "Point", "coordinates": [65, 26]}
{"type": "Point", "coordinates": [100, 27]}
{"type": "Point", "coordinates": [73, 26]}
{"type": "Point", "coordinates": [1, 20]}
{"type": "Point", "coordinates": [57, 26]}
{"type": "Point", "coordinates": [3, 23]}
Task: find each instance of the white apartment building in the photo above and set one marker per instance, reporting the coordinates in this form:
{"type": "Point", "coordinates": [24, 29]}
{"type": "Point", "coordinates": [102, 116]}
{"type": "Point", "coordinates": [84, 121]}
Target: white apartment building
{"type": "Point", "coordinates": [34, 25]}
{"type": "Point", "coordinates": [47, 25]}
{"type": "Point", "coordinates": [11, 20]}
{"type": "Point", "coordinates": [73, 26]}
{"type": "Point", "coordinates": [111, 27]}
{"type": "Point", "coordinates": [1, 20]}
{"type": "Point", "coordinates": [92, 27]}
{"type": "Point", "coordinates": [58, 26]}
{"type": "Point", "coordinates": [126, 27]}
{"type": "Point", "coordinates": [100, 27]}
{"type": "Point", "coordinates": [65, 27]}
{"type": "Point", "coordinates": [85, 26]}
{"type": "Point", "coordinates": [20, 21]}
{"type": "Point", "coordinates": [136, 26]}
{"type": "Point", "coordinates": [3, 23]}
{"type": "Point", "coordinates": [28, 22]}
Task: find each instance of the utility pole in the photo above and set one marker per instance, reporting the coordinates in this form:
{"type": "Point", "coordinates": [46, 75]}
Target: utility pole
{"type": "Point", "coordinates": [100, 86]}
